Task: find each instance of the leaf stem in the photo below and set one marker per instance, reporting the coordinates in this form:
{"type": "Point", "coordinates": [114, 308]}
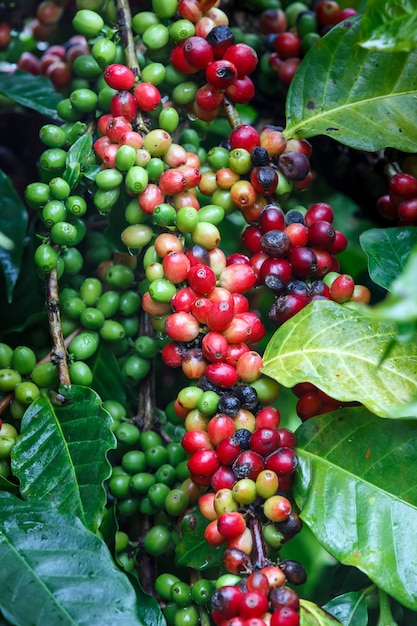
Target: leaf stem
{"type": "Point", "coordinates": [59, 355]}
{"type": "Point", "coordinates": [385, 616]}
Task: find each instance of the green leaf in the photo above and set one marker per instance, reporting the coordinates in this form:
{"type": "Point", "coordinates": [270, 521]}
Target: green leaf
{"type": "Point", "coordinates": [313, 615]}
{"type": "Point", "coordinates": [350, 609]}
{"type": "Point", "coordinates": [7, 485]}
{"type": "Point", "coordinates": [13, 223]}
{"type": "Point", "coordinates": [55, 571]}
{"type": "Point", "coordinates": [339, 349]}
{"type": "Point", "coordinates": [77, 158]}
{"type": "Point", "coordinates": [387, 250]}
{"type": "Point", "coordinates": [193, 550]}
{"type": "Point", "coordinates": [400, 305]}
{"type": "Point", "coordinates": [60, 455]}
{"type": "Point", "coordinates": [107, 377]}
{"type": "Point", "coordinates": [389, 25]}
{"type": "Point", "coordinates": [363, 99]}
{"type": "Point", "coordinates": [33, 92]}
{"type": "Point", "coordinates": [356, 486]}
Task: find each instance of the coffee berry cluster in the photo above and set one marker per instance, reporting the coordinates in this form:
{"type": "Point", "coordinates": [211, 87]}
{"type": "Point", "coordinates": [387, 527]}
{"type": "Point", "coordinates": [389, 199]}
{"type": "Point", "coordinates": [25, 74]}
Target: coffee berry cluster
{"type": "Point", "coordinates": [400, 204]}
{"type": "Point", "coordinates": [127, 159]}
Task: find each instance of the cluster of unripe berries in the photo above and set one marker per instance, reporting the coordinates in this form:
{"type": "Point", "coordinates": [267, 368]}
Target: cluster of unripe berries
{"type": "Point", "coordinates": [150, 478]}
{"type": "Point", "coordinates": [400, 204]}
{"type": "Point", "coordinates": [290, 33]}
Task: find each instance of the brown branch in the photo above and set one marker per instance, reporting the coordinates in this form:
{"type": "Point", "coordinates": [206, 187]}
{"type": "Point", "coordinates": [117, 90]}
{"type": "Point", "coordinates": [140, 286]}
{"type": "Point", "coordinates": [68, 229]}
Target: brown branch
{"type": "Point", "coordinates": [59, 355]}
{"type": "Point", "coordinates": [146, 416]}
{"type": "Point", "coordinates": [5, 401]}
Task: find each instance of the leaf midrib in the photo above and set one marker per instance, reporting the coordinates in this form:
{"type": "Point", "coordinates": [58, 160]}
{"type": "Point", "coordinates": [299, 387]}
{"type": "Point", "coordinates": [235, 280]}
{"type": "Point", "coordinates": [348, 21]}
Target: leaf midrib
{"type": "Point", "coordinates": [331, 465]}
{"type": "Point", "coordinates": [289, 133]}
{"type": "Point", "coordinates": [19, 557]}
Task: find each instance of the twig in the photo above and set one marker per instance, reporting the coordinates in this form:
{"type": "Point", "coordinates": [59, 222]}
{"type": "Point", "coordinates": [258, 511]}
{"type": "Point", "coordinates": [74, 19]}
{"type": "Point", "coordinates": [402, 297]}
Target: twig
{"type": "Point", "coordinates": [58, 352]}
{"type": "Point", "coordinates": [231, 113]}
{"type": "Point", "coordinates": [146, 410]}
{"type": "Point", "coordinates": [259, 557]}
{"type": "Point", "coordinates": [124, 21]}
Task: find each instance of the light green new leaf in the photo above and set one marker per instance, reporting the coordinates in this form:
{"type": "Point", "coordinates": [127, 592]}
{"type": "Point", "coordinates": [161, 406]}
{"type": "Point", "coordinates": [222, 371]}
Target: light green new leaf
{"type": "Point", "coordinates": [389, 25]}
{"type": "Point", "coordinates": [363, 99]}
{"type": "Point", "coordinates": [387, 250]}
{"type": "Point", "coordinates": [356, 486]}
{"type": "Point", "coordinates": [339, 350]}
{"type": "Point", "coordinates": [60, 455]}
{"type": "Point", "coordinates": [313, 615]}
{"type": "Point", "coordinates": [55, 571]}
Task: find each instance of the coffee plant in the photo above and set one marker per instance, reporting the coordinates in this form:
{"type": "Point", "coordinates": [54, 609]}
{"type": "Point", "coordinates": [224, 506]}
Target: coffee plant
{"type": "Point", "coordinates": [208, 356]}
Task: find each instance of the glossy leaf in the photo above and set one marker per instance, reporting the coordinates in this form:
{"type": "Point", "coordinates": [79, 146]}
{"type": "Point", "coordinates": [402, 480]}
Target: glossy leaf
{"type": "Point", "coordinates": [390, 26]}
{"type": "Point", "coordinates": [60, 455]}
{"type": "Point", "coordinates": [387, 250]}
{"type": "Point", "coordinates": [107, 377]}
{"type": "Point", "coordinates": [13, 223]}
{"type": "Point", "coordinates": [193, 550]}
{"type": "Point", "coordinates": [401, 303]}
{"type": "Point", "coordinates": [77, 158]}
{"type": "Point", "coordinates": [56, 571]}
{"type": "Point", "coordinates": [356, 486]}
{"type": "Point", "coordinates": [33, 92]}
{"type": "Point", "coordinates": [350, 609]}
{"type": "Point", "coordinates": [339, 350]}
{"type": "Point", "coordinates": [313, 615]}
{"type": "Point", "coordinates": [363, 99]}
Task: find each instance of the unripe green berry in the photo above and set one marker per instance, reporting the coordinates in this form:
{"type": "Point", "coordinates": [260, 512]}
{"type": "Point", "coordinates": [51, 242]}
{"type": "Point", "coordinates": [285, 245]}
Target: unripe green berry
{"type": "Point", "coordinates": [104, 51]}
{"type": "Point", "coordinates": [84, 100]}
{"type": "Point", "coordinates": [45, 375]}
{"type": "Point", "coordinates": [84, 345]}
{"type": "Point", "coordinates": [63, 234]}
{"type": "Point", "coordinates": [157, 540]}
{"type": "Point", "coordinates": [80, 374]}
{"type": "Point", "coordinates": [143, 20]}
{"type": "Point", "coordinates": [6, 353]}
{"type": "Point", "coordinates": [26, 392]}
{"type": "Point", "coordinates": [46, 257]}
{"type": "Point", "coordinates": [119, 276]}
{"type": "Point", "coordinates": [9, 378]}
{"type": "Point", "coordinates": [23, 360]}
{"type": "Point", "coordinates": [88, 23]}
{"type": "Point", "coordinates": [52, 136]}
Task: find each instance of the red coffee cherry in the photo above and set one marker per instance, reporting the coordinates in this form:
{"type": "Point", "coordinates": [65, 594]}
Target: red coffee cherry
{"type": "Point", "coordinates": [119, 76]}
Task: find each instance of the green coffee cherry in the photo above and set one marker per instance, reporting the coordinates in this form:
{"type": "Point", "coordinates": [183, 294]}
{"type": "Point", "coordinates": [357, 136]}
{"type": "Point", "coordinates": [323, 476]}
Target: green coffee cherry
{"type": "Point", "coordinates": [119, 486]}
{"type": "Point", "coordinates": [52, 136]}
{"type": "Point", "coordinates": [9, 378]}
{"type": "Point", "coordinates": [84, 345]}
{"type": "Point", "coordinates": [60, 189]}
{"type": "Point", "coordinates": [88, 23]}
{"type": "Point", "coordinates": [23, 360]}
{"type": "Point", "coordinates": [154, 73]}
{"type": "Point", "coordinates": [37, 195]}
{"type": "Point", "coordinates": [87, 67]}
{"type": "Point", "coordinates": [53, 212]}
{"type": "Point", "coordinates": [119, 276]}
{"type": "Point", "coordinates": [136, 236]}
{"type": "Point", "coordinates": [104, 51]}
{"type": "Point", "coordinates": [136, 179]}
{"type": "Point", "coordinates": [146, 347]}
{"type": "Point", "coordinates": [64, 234]}
{"type": "Point", "coordinates": [176, 502]}
{"type": "Point", "coordinates": [109, 179]}
{"type": "Point", "coordinates": [5, 355]}
{"type": "Point", "coordinates": [90, 291]}
{"type": "Point", "coordinates": [72, 307]}
{"type": "Point", "coordinates": [135, 368]}
{"type": "Point", "coordinates": [169, 119]}
{"type": "Point", "coordinates": [143, 20]}
{"type": "Point", "coordinates": [73, 261]}
{"type": "Point", "coordinates": [53, 160]}
{"type": "Point", "coordinates": [157, 540]}
{"type": "Point", "coordinates": [26, 392]}
{"type": "Point", "coordinates": [181, 30]}
{"type": "Point", "coordinates": [45, 375]}
{"type": "Point", "coordinates": [112, 331]}
{"type": "Point", "coordinates": [80, 374]}
{"type": "Point", "coordinates": [155, 37]}
{"type": "Point", "coordinates": [84, 100]}
{"type": "Point", "coordinates": [128, 434]}
{"type": "Point", "coordinates": [105, 199]}
{"type": "Point", "coordinates": [108, 303]}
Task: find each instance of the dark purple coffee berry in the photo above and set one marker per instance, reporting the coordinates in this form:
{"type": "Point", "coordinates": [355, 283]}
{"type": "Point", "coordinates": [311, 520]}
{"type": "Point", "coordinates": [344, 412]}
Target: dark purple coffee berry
{"type": "Point", "coordinates": [284, 596]}
{"type": "Point", "coordinates": [276, 243]}
{"type": "Point", "coordinates": [229, 404]}
{"type": "Point", "coordinates": [293, 216]}
{"type": "Point", "coordinates": [294, 571]}
{"type": "Point", "coordinates": [220, 38]}
{"type": "Point", "coordinates": [294, 165]}
{"type": "Point", "coordinates": [298, 288]}
{"type": "Point", "coordinates": [242, 435]}
{"type": "Point", "coordinates": [259, 156]}
{"type": "Point", "coordinates": [247, 395]}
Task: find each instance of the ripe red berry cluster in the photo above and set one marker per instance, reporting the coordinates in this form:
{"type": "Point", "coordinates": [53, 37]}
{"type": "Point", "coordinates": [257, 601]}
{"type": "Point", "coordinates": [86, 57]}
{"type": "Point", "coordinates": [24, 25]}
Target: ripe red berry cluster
{"type": "Point", "coordinates": [313, 401]}
{"type": "Point", "coordinates": [291, 33]}
{"type": "Point", "coordinates": [261, 598]}
{"type": "Point", "coordinates": [226, 66]}
{"type": "Point", "coordinates": [400, 204]}
{"type": "Point", "coordinates": [294, 255]}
